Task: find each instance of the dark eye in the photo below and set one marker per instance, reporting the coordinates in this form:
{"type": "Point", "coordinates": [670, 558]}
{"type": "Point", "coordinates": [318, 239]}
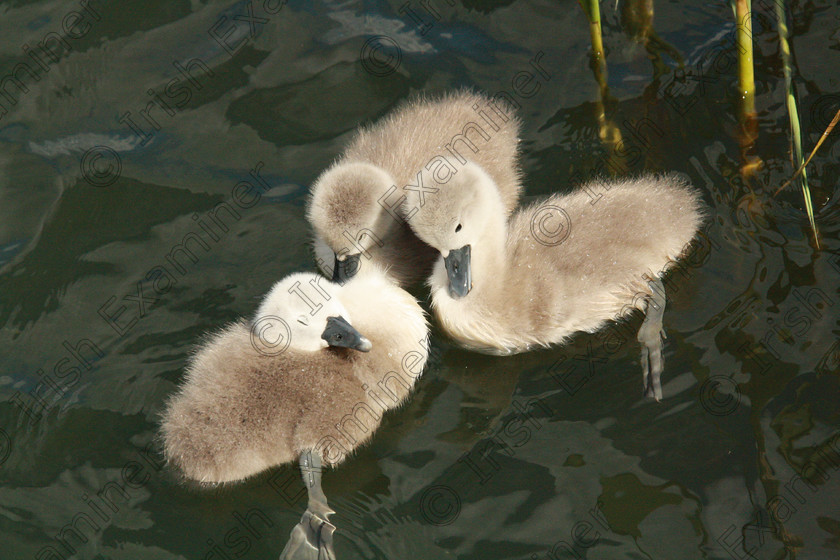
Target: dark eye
{"type": "Point", "coordinates": [338, 337]}
{"type": "Point", "coordinates": [457, 229]}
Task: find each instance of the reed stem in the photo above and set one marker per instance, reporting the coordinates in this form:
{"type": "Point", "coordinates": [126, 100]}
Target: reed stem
{"type": "Point", "coordinates": [593, 13]}
{"type": "Point", "coordinates": [793, 114]}
{"type": "Point", "coordinates": [608, 132]}
{"type": "Point", "coordinates": [743, 37]}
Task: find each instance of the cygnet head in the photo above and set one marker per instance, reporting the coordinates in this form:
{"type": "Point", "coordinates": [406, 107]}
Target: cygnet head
{"type": "Point", "coordinates": [304, 312]}
{"type": "Point", "coordinates": [455, 218]}
{"type": "Point", "coordinates": [346, 212]}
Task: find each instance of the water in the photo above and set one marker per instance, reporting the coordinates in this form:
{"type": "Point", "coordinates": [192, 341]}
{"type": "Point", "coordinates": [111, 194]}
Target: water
{"type": "Point", "coordinates": [550, 454]}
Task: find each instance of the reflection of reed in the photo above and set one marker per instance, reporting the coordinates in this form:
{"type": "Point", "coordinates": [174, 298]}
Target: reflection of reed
{"type": "Point", "coordinates": [771, 484]}
{"type": "Point", "coordinates": [637, 21]}
{"type": "Point", "coordinates": [608, 132]}
{"type": "Point", "coordinates": [749, 337]}
{"type": "Point", "coordinates": [760, 389]}
{"type": "Point", "coordinates": [801, 420]}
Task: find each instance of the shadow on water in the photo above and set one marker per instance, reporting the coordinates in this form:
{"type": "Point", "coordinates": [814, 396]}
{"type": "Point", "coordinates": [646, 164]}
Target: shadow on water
{"type": "Point", "coordinates": [84, 219]}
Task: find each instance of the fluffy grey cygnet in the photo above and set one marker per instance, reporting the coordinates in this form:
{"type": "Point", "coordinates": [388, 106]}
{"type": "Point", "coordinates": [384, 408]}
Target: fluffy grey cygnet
{"type": "Point", "coordinates": [307, 380]}
{"type": "Point", "coordinates": [561, 265]}
{"type": "Point", "coordinates": [355, 206]}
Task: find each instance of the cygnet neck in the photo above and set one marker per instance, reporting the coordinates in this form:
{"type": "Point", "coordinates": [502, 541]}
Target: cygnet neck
{"type": "Point", "coordinates": [488, 251]}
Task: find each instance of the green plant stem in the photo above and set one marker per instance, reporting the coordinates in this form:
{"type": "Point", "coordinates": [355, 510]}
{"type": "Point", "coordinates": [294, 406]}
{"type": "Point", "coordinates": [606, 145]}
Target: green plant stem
{"type": "Point", "coordinates": [793, 114]}
{"type": "Point", "coordinates": [746, 78]}
{"type": "Point", "coordinates": [608, 132]}
{"type": "Point", "coordinates": [593, 13]}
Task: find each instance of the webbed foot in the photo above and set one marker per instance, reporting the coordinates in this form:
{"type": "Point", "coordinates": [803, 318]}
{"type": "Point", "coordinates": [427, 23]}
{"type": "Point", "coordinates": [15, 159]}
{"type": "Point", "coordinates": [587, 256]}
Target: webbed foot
{"type": "Point", "coordinates": [311, 539]}
{"type": "Point", "coordinates": [650, 336]}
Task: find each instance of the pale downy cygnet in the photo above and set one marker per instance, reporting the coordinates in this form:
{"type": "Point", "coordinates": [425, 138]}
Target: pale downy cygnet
{"type": "Point", "coordinates": [308, 379]}
{"type": "Point", "coordinates": [355, 206]}
{"type": "Point", "coordinates": [568, 263]}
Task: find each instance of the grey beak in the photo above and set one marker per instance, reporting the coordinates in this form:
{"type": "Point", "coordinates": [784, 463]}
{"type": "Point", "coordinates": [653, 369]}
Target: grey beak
{"type": "Point", "coordinates": [341, 333]}
{"type": "Point", "coordinates": [345, 270]}
{"type": "Point", "coordinates": [459, 272]}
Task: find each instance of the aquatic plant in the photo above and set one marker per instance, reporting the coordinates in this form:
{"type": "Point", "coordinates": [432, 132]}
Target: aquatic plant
{"type": "Point", "coordinates": [793, 115]}
{"type": "Point", "coordinates": [608, 132]}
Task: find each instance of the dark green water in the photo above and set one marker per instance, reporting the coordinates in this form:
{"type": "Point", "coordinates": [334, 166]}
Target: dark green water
{"type": "Point", "coordinates": [550, 454]}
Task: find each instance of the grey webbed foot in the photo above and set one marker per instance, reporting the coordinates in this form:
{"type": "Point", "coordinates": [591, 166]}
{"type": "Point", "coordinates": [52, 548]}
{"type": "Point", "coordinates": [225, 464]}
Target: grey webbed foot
{"type": "Point", "coordinates": [650, 336]}
{"type": "Point", "coordinates": [311, 539]}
